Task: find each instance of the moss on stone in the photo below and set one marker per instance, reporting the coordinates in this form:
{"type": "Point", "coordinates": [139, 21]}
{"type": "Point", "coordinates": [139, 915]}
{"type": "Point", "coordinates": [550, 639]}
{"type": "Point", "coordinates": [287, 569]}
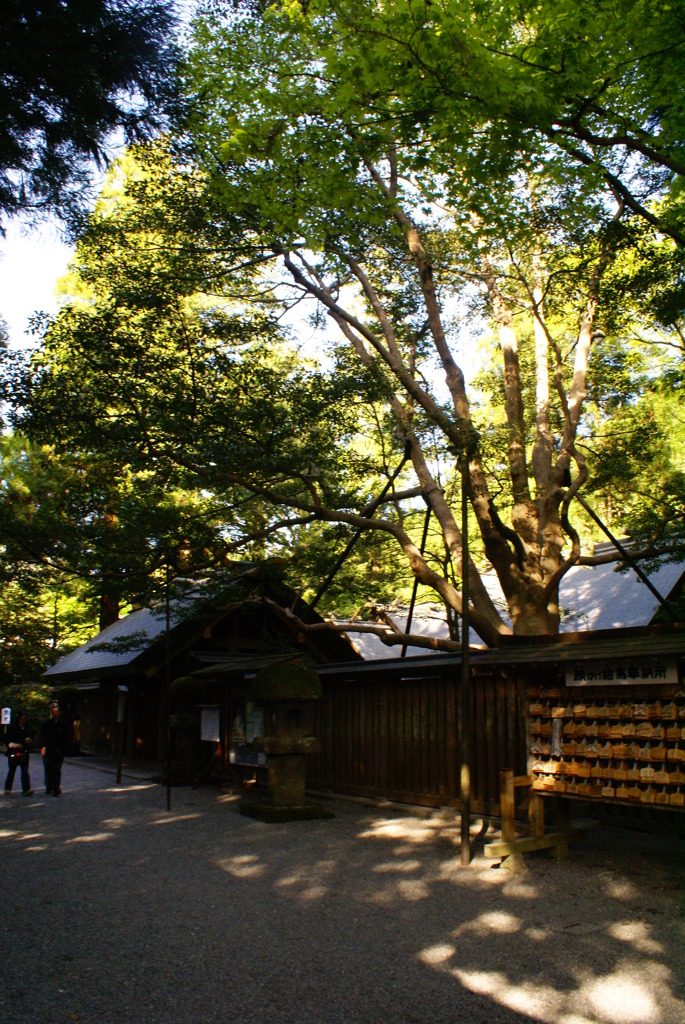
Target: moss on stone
{"type": "Point", "coordinates": [273, 815]}
{"type": "Point", "coordinates": [288, 681]}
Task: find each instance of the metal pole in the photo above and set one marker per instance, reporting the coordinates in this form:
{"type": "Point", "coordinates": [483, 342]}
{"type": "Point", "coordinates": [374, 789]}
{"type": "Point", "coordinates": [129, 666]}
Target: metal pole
{"type": "Point", "coordinates": [625, 554]}
{"type": "Point", "coordinates": [168, 690]}
{"type": "Point", "coordinates": [120, 759]}
{"type": "Point", "coordinates": [465, 708]}
{"type": "Point", "coordinates": [412, 603]}
{"type": "Point", "coordinates": [122, 692]}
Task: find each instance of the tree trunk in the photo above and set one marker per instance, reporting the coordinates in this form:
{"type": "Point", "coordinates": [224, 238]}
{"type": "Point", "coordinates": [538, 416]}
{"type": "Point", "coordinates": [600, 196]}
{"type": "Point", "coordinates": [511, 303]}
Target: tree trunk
{"type": "Point", "coordinates": [109, 610]}
{"type": "Point", "coordinates": [533, 613]}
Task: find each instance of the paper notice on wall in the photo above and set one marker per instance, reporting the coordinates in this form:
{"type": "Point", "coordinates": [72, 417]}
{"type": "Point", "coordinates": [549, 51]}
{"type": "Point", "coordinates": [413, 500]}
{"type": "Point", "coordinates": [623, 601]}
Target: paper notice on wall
{"type": "Point", "coordinates": [210, 724]}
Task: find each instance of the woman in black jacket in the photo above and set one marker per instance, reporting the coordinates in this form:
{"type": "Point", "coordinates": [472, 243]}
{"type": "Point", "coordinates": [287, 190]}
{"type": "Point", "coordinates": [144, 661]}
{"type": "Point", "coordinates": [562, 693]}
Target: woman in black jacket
{"type": "Point", "coordinates": [18, 748]}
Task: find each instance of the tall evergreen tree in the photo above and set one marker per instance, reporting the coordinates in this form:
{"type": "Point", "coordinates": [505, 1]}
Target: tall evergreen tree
{"type": "Point", "coordinates": [73, 73]}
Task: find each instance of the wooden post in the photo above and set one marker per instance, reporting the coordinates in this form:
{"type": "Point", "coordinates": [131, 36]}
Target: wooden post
{"type": "Point", "coordinates": [536, 814]}
{"type": "Point", "coordinates": [563, 826]}
{"type": "Point", "coordinates": [507, 803]}
{"type": "Point", "coordinates": [465, 709]}
{"type": "Point", "coordinates": [507, 806]}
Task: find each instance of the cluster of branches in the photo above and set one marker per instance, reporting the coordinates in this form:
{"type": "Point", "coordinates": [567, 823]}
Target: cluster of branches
{"type": "Point", "coordinates": [429, 179]}
{"type": "Point", "coordinates": [74, 78]}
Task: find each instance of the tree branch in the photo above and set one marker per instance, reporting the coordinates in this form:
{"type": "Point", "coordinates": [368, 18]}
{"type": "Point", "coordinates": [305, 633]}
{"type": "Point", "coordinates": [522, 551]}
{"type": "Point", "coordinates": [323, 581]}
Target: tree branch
{"type": "Point", "coordinates": [391, 637]}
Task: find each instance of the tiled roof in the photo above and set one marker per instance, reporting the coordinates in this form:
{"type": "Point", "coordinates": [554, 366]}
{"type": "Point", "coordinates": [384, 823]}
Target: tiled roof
{"type": "Point", "coordinates": [602, 598]}
{"type": "Point", "coordinates": [590, 599]}
{"type": "Point", "coordinates": [120, 644]}
{"type": "Point", "coordinates": [564, 648]}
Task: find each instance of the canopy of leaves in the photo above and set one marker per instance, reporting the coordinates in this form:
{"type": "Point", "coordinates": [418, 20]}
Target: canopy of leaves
{"type": "Point", "coordinates": [72, 73]}
{"type": "Point", "coordinates": [171, 406]}
{"type": "Point", "coordinates": [393, 162]}
{"type": "Point", "coordinates": [594, 89]}
{"type": "Point", "coordinates": [522, 148]}
{"type": "Point", "coordinates": [43, 606]}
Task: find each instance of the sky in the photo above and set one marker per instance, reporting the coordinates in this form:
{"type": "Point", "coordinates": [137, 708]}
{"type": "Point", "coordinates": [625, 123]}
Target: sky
{"type": "Point", "coordinates": [32, 261]}
{"type": "Point", "coordinates": [30, 264]}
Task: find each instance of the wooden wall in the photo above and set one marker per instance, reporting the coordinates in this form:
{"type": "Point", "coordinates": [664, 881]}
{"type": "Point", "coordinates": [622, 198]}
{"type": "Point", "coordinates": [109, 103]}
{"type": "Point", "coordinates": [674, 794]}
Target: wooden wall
{"type": "Point", "coordinates": [394, 734]}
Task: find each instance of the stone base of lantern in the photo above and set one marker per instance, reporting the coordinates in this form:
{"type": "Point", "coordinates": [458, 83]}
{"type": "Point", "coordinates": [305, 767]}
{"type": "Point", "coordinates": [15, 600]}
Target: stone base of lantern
{"type": "Point", "coordinates": [272, 815]}
{"type": "Point", "coordinates": [286, 775]}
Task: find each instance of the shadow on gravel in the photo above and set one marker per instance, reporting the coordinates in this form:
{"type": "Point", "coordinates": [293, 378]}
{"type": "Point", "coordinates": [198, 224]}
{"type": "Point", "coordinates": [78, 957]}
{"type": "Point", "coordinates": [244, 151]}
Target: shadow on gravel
{"type": "Point", "coordinates": [129, 913]}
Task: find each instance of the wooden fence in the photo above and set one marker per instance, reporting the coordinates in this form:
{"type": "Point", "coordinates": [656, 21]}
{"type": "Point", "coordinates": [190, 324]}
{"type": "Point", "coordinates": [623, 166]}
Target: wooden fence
{"type": "Point", "coordinates": [394, 734]}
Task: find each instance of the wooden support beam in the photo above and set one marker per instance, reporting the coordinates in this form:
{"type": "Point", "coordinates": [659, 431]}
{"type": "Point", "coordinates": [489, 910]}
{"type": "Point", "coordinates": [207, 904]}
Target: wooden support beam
{"type": "Point", "coordinates": [502, 848]}
{"type": "Point", "coordinates": [509, 847]}
{"type": "Point", "coordinates": [522, 780]}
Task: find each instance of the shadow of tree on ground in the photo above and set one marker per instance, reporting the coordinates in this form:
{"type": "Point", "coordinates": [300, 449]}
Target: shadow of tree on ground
{"type": "Point", "coordinates": [135, 914]}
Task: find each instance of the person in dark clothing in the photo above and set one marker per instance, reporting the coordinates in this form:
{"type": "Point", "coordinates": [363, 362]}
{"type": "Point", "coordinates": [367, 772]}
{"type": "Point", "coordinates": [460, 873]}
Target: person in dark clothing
{"type": "Point", "coordinates": [18, 749]}
{"type": "Point", "coordinates": [54, 739]}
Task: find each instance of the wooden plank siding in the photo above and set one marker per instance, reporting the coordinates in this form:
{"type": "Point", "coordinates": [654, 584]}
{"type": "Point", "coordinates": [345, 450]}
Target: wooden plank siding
{"type": "Point", "coordinates": [390, 735]}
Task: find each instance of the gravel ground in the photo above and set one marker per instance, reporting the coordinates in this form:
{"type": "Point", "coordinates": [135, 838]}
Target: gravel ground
{"type": "Point", "coordinates": [117, 911]}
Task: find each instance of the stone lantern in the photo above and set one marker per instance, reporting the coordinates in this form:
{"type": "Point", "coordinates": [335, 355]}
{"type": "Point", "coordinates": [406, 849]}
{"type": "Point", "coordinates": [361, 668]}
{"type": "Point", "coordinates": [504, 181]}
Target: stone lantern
{"type": "Point", "coordinates": [287, 692]}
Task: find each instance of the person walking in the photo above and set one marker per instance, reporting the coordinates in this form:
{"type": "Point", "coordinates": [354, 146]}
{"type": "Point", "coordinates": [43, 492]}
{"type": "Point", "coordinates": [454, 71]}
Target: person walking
{"type": "Point", "coordinates": [54, 741]}
{"type": "Point", "coordinates": [18, 750]}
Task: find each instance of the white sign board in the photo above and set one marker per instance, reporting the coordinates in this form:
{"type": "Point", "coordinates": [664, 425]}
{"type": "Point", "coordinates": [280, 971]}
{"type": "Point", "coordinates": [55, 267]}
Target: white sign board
{"type": "Point", "coordinates": [6, 716]}
{"type": "Point", "coordinates": [210, 724]}
{"type": "Point", "coordinates": [629, 672]}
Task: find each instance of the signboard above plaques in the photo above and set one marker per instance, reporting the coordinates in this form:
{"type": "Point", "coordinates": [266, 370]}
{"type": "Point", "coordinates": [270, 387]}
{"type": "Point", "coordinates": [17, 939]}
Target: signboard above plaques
{"type": "Point", "coordinates": [629, 672]}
